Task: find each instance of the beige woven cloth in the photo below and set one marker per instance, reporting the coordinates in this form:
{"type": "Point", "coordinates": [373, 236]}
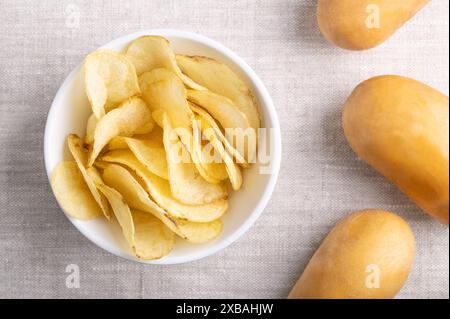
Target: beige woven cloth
{"type": "Point", "coordinates": [321, 180]}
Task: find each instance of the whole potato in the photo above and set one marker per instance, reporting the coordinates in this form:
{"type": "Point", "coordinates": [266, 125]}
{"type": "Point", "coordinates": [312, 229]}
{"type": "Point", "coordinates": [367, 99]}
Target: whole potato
{"type": "Point", "coordinates": [364, 24]}
{"type": "Point", "coordinates": [368, 255]}
{"type": "Point", "coordinates": [401, 128]}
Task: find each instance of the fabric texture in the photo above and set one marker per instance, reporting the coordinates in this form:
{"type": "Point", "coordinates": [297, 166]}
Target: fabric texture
{"type": "Point", "coordinates": [321, 179]}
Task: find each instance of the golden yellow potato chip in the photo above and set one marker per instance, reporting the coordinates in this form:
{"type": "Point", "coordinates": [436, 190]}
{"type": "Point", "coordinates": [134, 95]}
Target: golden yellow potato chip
{"type": "Point", "coordinates": [200, 233]}
{"type": "Point", "coordinates": [153, 240]}
{"type": "Point", "coordinates": [152, 52]}
{"type": "Point", "coordinates": [153, 158]}
{"type": "Point", "coordinates": [72, 192]}
{"type": "Point", "coordinates": [159, 189]}
{"type": "Point", "coordinates": [110, 79]}
{"type": "Point", "coordinates": [205, 117]}
{"type": "Point", "coordinates": [79, 153]}
{"type": "Point", "coordinates": [186, 184]}
{"type": "Point", "coordinates": [153, 139]}
{"type": "Point", "coordinates": [234, 123]}
{"type": "Point", "coordinates": [220, 79]}
{"type": "Point", "coordinates": [121, 211]}
{"type": "Point", "coordinates": [163, 90]}
{"type": "Point", "coordinates": [136, 196]}
{"type": "Point", "coordinates": [90, 129]}
{"type": "Point", "coordinates": [220, 108]}
{"type": "Point", "coordinates": [210, 167]}
{"type": "Point", "coordinates": [132, 117]}
{"type": "Point", "coordinates": [234, 172]}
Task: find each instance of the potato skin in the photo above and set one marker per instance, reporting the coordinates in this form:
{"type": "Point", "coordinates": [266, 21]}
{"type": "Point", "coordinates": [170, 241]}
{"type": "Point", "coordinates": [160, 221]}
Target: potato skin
{"type": "Point", "coordinates": [401, 128]}
{"type": "Point", "coordinates": [340, 267]}
{"type": "Point", "coordinates": [343, 22]}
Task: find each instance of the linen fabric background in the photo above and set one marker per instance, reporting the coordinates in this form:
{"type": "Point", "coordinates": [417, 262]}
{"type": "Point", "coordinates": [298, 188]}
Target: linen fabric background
{"type": "Point", "coordinates": [321, 179]}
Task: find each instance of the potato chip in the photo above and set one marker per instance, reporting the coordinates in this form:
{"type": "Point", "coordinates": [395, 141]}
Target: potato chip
{"type": "Point", "coordinates": [199, 233]}
{"type": "Point", "coordinates": [153, 240]}
{"type": "Point", "coordinates": [233, 121]}
{"type": "Point", "coordinates": [159, 189]}
{"type": "Point", "coordinates": [72, 192]}
{"type": "Point", "coordinates": [110, 79]}
{"type": "Point", "coordinates": [132, 117]}
{"type": "Point", "coordinates": [186, 184]}
{"type": "Point", "coordinates": [204, 116]}
{"type": "Point", "coordinates": [152, 52]}
{"type": "Point", "coordinates": [153, 139]}
{"type": "Point", "coordinates": [121, 211]}
{"type": "Point", "coordinates": [233, 170]}
{"type": "Point", "coordinates": [221, 108]}
{"type": "Point", "coordinates": [214, 170]}
{"type": "Point", "coordinates": [75, 145]}
{"type": "Point", "coordinates": [137, 197]}
{"type": "Point", "coordinates": [220, 79]}
{"type": "Point", "coordinates": [153, 158]}
{"type": "Point", "coordinates": [163, 90]}
{"type": "Point", "coordinates": [90, 129]}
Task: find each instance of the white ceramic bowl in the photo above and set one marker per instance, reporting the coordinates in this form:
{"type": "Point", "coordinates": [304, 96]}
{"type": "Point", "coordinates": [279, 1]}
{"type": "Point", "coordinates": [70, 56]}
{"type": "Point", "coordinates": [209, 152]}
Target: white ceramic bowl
{"type": "Point", "coordinates": [70, 110]}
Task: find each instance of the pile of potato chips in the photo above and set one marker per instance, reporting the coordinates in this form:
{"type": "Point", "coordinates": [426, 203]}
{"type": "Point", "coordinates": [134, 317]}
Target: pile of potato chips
{"type": "Point", "coordinates": [157, 155]}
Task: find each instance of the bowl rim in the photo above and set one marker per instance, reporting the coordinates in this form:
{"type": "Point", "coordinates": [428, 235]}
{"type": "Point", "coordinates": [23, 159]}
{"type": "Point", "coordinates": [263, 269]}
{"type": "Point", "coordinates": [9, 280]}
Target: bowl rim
{"type": "Point", "coordinates": [269, 107]}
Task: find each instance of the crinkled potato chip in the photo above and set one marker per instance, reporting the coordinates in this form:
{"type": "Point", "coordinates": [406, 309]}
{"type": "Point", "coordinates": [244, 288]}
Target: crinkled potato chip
{"type": "Point", "coordinates": [152, 240]}
{"type": "Point", "coordinates": [121, 211]}
{"type": "Point", "coordinates": [153, 158]}
{"type": "Point", "coordinates": [137, 197]}
{"type": "Point", "coordinates": [132, 117]}
{"type": "Point", "coordinates": [234, 172]}
{"type": "Point", "coordinates": [214, 170]}
{"type": "Point", "coordinates": [219, 78]}
{"type": "Point", "coordinates": [90, 129]}
{"type": "Point", "coordinates": [110, 79]}
{"type": "Point", "coordinates": [159, 189]}
{"type": "Point", "coordinates": [186, 184]}
{"type": "Point", "coordinates": [235, 124]}
{"type": "Point", "coordinates": [204, 116]}
{"type": "Point", "coordinates": [153, 139]}
{"type": "Point", "coordinates": [152, 52]}
{"type": "Point", "coordinates": [221, 108]}
{"type": "Point", "coordinates": [163, 90]}
{"type": "Point", "coordinates": [199, 233]}
{"type": "Point", "coordinates": [78, 152]}
{"type": "Point", "coordinates": [72, 192]}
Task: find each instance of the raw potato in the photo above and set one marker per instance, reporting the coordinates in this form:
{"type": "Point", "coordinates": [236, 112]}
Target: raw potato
{"type": "Point", "coordinates": [122, 180]}
{"type": "Point", "coordinates": [401, 128]}
{"type": "Point", "coordinates": [186, 184]}
{"type": "Point", "coordinates": [220, 79]}
{"type": "Point", "coordinates": [153, 240]}
{"type": "Point", "coordinates": [368, 255]}
{"type": "Point", "coordinates": [152, 52]}
{"type": "Point", "coordinates": [72, 192]}
{"type": "Point", "coordinates": [364, 24]}
{"type": "Point", "coordinates": [110, 79]}
{"type": "Point", "coordinates": [132, 117]}
{"type": "Point", "coordinates": [159, 189]}
{"type": "Point", "coordinates": [78, 152]}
